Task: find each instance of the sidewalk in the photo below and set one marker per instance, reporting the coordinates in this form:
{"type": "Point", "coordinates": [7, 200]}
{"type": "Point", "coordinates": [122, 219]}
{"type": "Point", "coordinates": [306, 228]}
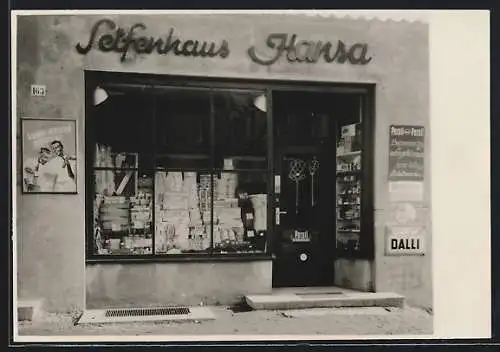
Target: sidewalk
{"type": "Point", "coordinates": [319, 321]}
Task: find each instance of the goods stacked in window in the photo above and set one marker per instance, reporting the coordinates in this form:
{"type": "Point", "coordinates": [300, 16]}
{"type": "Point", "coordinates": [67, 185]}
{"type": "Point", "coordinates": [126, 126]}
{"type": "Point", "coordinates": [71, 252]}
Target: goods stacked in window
{"type": "Point", "coordinates": [229, 231]}
{"type": "Point", "coordinates": [182, 213]}
{"type": "Point", "coordinates": [122, 204]}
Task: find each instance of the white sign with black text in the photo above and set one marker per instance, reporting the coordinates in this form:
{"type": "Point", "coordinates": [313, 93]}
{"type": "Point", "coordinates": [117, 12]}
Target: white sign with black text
{"type": "Point", "coordinates": [405, 240]}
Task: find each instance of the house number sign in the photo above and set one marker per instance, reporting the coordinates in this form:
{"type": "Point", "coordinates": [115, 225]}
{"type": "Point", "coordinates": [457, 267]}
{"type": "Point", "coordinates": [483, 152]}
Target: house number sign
{"type": "Point", "coordinates": [106, 36]}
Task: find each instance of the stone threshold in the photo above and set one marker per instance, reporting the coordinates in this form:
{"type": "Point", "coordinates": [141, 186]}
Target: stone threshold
{"type": "Point", "coordinates": [324, 297]}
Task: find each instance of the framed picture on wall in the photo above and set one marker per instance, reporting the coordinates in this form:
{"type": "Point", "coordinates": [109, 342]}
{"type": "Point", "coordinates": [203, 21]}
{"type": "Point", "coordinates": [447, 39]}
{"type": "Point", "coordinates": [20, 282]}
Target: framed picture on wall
{"type": "Point", "coordinates": [48, 152]}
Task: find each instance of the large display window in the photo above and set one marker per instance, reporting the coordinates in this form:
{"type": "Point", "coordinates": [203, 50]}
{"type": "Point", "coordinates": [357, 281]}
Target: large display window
{"type": "Point", "coordinates": [177, 171]}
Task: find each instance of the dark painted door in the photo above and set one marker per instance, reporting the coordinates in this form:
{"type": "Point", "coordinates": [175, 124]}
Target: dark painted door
{"type": "Point", "coordinates": [304, 229]}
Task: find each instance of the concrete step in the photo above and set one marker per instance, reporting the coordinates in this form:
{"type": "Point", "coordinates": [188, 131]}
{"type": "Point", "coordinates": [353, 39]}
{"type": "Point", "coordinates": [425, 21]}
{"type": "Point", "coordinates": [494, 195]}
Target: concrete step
{"type": "Point", "coordinates": [302, 299]}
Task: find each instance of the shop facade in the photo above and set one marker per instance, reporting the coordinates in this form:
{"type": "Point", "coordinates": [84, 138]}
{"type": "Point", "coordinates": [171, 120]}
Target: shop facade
{"type": "Point", "coordinates": [215, 161]}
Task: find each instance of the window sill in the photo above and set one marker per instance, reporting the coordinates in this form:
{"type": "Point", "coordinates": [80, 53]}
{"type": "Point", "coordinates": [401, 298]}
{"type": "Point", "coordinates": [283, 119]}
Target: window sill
{"type": "Point", "coordinates": [179, 258]}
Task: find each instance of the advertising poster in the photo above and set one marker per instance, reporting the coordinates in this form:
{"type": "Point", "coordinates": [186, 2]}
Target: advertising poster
{"type": "Point", "coordinates": [49, 156]}
{"type": "Point", "coordinates": [406, 153]}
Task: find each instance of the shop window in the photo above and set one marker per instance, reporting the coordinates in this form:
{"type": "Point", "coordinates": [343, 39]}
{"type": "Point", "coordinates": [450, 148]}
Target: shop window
{"type": "Point", "coordinates": [179, 172]}
{"type": "Point", "coordinates": [241, 180]}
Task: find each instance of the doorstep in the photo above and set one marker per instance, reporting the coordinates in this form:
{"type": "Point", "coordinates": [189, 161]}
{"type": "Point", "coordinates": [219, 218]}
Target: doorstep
{"type": "Point", "coordinates": [322, 297]}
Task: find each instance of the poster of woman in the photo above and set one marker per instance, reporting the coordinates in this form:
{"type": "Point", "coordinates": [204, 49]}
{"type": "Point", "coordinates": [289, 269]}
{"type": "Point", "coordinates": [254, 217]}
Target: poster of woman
{"type": "Point", "coordinates": [49, 155]}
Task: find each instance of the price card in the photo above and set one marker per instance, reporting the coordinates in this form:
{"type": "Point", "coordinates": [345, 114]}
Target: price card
{"type": "Point", "coordinates": [250, 233]}
{"type": "Point", "coordinates": [115, 227]}
{"type": "Point", "coordinates": [249, 216]}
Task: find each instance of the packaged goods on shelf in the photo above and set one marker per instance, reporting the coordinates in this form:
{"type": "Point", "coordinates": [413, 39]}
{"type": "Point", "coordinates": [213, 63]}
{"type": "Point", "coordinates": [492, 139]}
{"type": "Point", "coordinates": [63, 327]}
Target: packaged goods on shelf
{"type": "Point", "coordinates": [165, 236]}
{"type": "Point", "coordinates": [259, 203]}
{"type": "Point", "coordinates": [175, 201]}
{"type": "Point", "coordinates": [174, 182]}
{"type": "Point", "coordinates": [230, 216]}
{"type": "Point", "coordinates": [195, 217]}
{"type": "Point", "coordinates": [225, 185]}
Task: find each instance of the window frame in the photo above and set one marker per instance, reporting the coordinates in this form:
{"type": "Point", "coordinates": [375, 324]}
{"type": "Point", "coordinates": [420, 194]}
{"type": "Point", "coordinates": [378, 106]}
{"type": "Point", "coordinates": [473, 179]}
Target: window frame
{"type": "Point", "coordinates": [151, 82]}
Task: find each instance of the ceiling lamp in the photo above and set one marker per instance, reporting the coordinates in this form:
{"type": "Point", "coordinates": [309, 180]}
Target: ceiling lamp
{"type": "Point", "coordinates": [100, 95]}
{"type": "Point", "coordinates": [260, 103]}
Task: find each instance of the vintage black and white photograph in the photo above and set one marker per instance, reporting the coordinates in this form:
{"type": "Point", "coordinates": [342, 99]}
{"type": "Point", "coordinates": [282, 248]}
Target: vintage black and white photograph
{"type": "Point", "coordinates": [247, 174]}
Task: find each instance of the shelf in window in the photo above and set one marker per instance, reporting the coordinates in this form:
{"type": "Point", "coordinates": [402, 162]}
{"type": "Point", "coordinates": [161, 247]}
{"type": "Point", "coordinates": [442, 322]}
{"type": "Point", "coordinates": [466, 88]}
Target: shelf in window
{"type": "Point", "coordinates": [349, 173]}
{"type": "Point", "coordinates": [349, 205]}
{"type": "Point", "coordinates": [349, 154]}
{"type": "Point", "coordinates": [349, 231]}
{"type": "Point", "coordinates": [352, 219]}
{"type": "Point", "coordinates": [182, 156]}
{"type": "Point", "coordinates": [237, 170]}
{"type": "Point", "coordinates": [245, 157]}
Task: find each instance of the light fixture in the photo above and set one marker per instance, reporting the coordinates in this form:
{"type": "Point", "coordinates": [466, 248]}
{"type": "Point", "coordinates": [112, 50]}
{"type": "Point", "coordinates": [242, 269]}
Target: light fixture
{"type": "Point", "coordinates": [260, 103]}
{"type": "Point", "coordinates": [100, 95]}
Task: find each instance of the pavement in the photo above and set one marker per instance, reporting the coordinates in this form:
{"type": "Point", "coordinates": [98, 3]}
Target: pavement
{"type": "Point", "coordinates": [316, 321]}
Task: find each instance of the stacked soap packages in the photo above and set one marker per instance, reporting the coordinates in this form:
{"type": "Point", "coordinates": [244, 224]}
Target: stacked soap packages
{"type": "Point", "coordinates": [140, 239]}
{"type": "Point", "coordinates": [104, 180]}
{"type": "Point", "coordinates": [229, 231]}
{"type": "Point", "coordinates": [179, 209]}
{"type": "Point", "coordinates": [105, 207]}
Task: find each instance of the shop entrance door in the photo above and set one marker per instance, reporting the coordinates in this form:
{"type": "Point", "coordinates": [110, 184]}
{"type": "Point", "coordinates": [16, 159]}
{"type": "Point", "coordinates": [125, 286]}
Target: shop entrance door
{"type": "Point", "coordinates": [303, 221]}
{"type": "Point", "coordinates": [304, 228]}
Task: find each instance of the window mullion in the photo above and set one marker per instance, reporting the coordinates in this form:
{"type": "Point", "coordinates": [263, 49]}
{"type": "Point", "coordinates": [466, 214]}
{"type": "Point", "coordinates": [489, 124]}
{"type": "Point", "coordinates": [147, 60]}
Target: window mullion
{"type": "Point", "coordinates": [212, 165]}
{"type": "Point", "coordinates": [153, 200]}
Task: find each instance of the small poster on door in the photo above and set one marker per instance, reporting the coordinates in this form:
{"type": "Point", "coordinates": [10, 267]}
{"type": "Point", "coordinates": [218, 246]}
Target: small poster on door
{"type": "Point", "coordinates": [301, 236]}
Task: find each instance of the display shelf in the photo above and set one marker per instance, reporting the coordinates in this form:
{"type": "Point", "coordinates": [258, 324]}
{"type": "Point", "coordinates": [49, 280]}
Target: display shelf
{"type": "Point", "coordinates": [349, 154]}
{"type": "Point", "coordinates": [348, 173]}
{"type": "Point", "coordinates": [348, 231]}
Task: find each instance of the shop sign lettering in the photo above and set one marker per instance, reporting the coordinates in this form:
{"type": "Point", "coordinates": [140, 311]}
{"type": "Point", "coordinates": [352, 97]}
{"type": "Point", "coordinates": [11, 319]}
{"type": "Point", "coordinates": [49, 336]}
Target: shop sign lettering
{"type": "Point", "coordinates": [310, 51]}
{"type": "Point", "coordinates": [405, 241]}
{"type": "Point", "coordinates": [107, 36]}
{"type": "Point", "coordinates": [119, 40]}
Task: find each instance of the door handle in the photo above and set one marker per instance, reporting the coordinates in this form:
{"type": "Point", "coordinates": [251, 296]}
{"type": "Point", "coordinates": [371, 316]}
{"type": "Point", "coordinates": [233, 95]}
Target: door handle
{"type": "Point", "coordinates": [278, 215]}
